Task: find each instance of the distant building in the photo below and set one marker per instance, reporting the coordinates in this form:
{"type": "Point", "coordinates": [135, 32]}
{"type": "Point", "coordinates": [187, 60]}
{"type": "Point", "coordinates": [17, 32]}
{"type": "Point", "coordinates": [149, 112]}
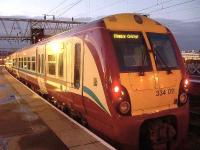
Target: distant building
{"type": "Point", "coordinates": [191, 55]}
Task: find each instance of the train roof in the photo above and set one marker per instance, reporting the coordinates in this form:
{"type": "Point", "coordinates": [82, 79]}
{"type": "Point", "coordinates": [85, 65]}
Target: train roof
{"type": "Point", "coordinates": [113, 22]}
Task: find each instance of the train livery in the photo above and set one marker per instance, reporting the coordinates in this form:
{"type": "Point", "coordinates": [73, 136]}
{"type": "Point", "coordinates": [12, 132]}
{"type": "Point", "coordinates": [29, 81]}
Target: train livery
{"type": "Point", "coordinates": [122, 75]}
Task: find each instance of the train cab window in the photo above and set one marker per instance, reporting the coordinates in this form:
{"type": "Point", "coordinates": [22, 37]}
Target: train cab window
{"type": "Point", "coordinates": [52, 64]}
{"type": "Point", "coordinates": [77, 64]}
{"type": "Point", "coordinates": [60, 65]}
{"type": "Point", "coordinates": [131, 51]}
{"type": "Point", "coordinates": [164, 52]}
{"type": "Point", "coordinates": [33, 63]}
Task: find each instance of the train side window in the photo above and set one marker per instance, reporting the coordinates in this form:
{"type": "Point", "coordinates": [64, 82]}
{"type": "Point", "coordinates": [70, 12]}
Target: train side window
{"type": "Point", "coordinates": [22, 63]}
{"type": "Point", "coordinates": [38, 69]}
{"type": "Point", "coordinates": [60, 65]}
{"type": "Point", "coordinates": [14, 63]}
{"type": "Point", "coordinates": [23, 60]}
{"type": "Point", "coordinates": [25, 63]}
{"type": "Point", "coordinates": [77, 64]}
{"type": "Point", "coordinates": [33, 63]}
{"type": "Point", "coordinates": [52, 64]}
{"type": "Point", "coordinates": [28, 63]}
{"type": "Point", "coordinates": [42, 63]}
{"type": "Point", "coordinates": [19, 61]}
{"type": "Point", "coordinates": [69, 65]}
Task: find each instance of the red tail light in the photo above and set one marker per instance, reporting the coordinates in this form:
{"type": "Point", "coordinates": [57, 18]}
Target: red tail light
{"type": "Point", "coordinates": [186, 84]}
{"type": "Point", "coordinates": [116, 89]}
{"type": "Point", "coordinates": [122, 99]}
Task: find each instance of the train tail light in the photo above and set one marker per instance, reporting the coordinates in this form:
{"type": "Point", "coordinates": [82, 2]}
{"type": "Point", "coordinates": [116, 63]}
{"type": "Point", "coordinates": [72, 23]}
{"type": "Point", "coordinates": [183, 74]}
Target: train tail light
{"type": "Point", "coordinates": [116, 89]}
{"type": "Point", "coordinates": [186, 85]}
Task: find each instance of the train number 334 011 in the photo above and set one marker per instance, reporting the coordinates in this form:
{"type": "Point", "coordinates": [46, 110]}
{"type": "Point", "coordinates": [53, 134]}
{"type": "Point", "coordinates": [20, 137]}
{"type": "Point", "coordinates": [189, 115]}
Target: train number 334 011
{"type": "Point", "coordinates": [163, 92]}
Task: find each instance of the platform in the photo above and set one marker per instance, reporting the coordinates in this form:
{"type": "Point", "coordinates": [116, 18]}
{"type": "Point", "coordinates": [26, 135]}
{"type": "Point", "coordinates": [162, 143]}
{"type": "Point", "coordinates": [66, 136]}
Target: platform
{"type": "Point", "coordinates": [28, 122]}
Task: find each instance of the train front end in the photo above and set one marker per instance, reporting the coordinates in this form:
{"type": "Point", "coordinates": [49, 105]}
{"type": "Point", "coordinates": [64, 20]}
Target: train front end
{"type": "Point", "coordinates": [149, 87]}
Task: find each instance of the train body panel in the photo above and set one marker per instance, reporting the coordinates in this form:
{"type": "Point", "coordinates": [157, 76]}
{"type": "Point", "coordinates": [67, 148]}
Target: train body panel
{"type": "Point", "coordinates": [114, 74]}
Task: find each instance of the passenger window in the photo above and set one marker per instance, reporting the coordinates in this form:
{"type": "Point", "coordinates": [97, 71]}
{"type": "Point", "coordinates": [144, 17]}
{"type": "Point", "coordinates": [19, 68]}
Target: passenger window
{"type": "Point", "coordinates": [21, 62]}
{"type": "Point", "coordinates": [33, 63]}
{"type": "Point", "coordinates": [13, 62]}
{"type": "Point", "coordinates": [42, 64]}
{"type": "Point", "coordinates": [18, 64]}
{"type": "Point", "coordinates": [77, 63]}
{"type": "Point", "coordinates": [28, 63]}
{"type": "Point", "coordinates": [60, 65]}
{"type": "Point", "coordinates": [25, 63]}
{"type": "Point", "coordinates": [69, 67]}
{"type": "Point", "coordinates": [52, 64]}
{"type": "Point", "coordinates": [38, 64]}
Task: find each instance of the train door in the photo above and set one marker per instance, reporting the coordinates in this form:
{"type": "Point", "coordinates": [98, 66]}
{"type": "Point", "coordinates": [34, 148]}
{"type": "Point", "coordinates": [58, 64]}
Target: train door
{"type": "Point", "coordinates": [74, 73]}
{"type": "Point", "coordinates": [40, 69]}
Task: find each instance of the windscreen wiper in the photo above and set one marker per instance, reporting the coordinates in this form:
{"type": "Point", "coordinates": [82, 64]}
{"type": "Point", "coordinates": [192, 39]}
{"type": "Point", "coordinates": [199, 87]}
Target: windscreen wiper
{"type": "Point", "coordinates": [162, 60]}
{"type": "Point", "coordinates": [141, 70]}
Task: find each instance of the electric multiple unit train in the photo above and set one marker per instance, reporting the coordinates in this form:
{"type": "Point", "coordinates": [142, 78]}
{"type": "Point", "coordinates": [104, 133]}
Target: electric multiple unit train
{"type": "Point", "coordinates": [123, 75]}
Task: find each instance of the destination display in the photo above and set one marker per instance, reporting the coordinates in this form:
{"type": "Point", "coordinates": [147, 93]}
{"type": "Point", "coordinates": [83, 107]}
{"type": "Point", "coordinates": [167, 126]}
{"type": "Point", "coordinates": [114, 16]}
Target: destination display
{"type": "Point", "coordinates": [125, 36]}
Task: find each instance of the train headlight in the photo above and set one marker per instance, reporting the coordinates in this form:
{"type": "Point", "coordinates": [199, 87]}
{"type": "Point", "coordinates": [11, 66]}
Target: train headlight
{"type": "Point", "coordinates": [124, 107]}
{"type": "Point", "coordinates": [183, 98]}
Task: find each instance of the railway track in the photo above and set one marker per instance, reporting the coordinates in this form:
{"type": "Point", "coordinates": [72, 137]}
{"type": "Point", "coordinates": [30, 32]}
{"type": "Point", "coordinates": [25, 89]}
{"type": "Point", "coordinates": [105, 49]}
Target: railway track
{"type": "Point", "coordinates": [194, 125]}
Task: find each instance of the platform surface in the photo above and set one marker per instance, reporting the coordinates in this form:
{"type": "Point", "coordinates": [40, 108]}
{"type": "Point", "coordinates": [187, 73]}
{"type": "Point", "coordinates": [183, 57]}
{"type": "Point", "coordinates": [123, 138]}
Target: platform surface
{"type": "Point", "coordinates": [27, 122]}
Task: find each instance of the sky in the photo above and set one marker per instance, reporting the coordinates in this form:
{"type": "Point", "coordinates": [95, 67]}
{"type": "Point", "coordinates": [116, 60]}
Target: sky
{"type": "Point", "coordinates": [186, 10]}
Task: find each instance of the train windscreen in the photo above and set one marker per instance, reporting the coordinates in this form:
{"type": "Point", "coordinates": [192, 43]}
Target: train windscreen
{"type": "Point", "coordinates": [164, 52]}
{"type": "Point", "coordinates": [131, 51]}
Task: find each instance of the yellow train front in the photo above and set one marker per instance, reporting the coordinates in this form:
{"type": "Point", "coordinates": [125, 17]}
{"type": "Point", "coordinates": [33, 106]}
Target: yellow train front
{"type": "Point", "coordinates": [122, 74]}
{"type": "Point", "coordinates": [146, 83]}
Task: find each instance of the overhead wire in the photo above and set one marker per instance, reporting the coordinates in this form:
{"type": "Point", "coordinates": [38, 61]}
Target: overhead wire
{"type": "Point", "coordinates": [73, 5]}
{"type": "Point", "coordinates": [152, 6]}
{"type": "Point", "coordinates": [102, 7]}
{"type": "Point", "coordinates": [169, 12]}
{"type": "Point", "coordinates": [184, 21]}
{"type": "Point", "coordinates": [178, 4]}
{"type": "Point", "coordinates": [57, 6]}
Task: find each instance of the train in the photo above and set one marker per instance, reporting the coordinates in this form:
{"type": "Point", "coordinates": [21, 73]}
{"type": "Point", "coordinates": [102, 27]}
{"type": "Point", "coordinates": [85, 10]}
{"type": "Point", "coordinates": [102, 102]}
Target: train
{"type": "Point", "coordinates": [123, 76]}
